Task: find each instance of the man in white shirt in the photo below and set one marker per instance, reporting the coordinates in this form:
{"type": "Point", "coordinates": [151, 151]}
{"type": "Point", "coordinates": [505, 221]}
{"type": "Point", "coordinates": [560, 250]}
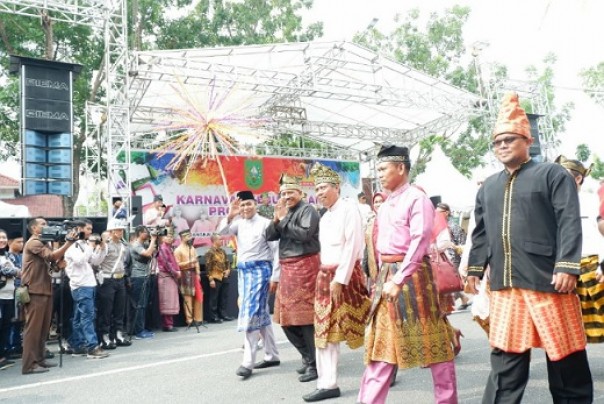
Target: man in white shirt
{"type": "Point", "coordinates": [79, 257]}
{"type": "Point", "coordinates": [154, 215]}
{"type": "Point", "coordinates": [341, 300]}
{"type": "Point", "coordinates": [258, 264]}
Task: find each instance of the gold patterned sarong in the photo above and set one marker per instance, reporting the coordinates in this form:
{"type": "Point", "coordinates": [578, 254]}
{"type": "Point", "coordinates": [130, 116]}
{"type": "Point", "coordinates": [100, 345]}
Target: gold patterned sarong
{"type": "Point", "coordinates": [295, 299]}
{"type": "Point", "coordinates": [411, 331]}
{"type": "Point", "coordinates": [522, 319]}
{"type": "Point", "coordinates": [591, 294]}
{"type": "Point", "coordinates": [346, 320]}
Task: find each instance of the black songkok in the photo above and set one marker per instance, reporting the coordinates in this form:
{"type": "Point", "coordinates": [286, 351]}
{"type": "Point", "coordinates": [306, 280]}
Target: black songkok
{"type": "Point", "coordinates": [394, 154]}
{"type": "Point", "coordinates": [245, 195]}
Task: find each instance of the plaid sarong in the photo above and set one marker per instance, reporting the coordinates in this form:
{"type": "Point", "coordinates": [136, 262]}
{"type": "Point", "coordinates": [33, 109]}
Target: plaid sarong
{"type": "Point", "coordinates": [253, 282]}
{"type": "Point", "coordinates": [522, 319]}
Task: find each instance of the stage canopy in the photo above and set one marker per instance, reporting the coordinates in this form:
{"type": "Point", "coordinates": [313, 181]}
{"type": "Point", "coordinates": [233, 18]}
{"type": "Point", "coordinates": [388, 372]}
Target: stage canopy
{"type": "Point", "coordinates": [338, 93]}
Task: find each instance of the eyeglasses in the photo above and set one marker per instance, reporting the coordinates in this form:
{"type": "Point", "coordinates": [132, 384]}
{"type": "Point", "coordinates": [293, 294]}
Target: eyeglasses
{"type": "Point", "coordinates": [506, 140]}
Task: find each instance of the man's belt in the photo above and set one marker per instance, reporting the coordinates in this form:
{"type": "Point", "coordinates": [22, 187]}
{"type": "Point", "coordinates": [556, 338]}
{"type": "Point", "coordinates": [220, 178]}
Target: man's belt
{"type": "Point", "coordinates": [113, 276]}
{"type": "Point", "coordinates": [392, 258]}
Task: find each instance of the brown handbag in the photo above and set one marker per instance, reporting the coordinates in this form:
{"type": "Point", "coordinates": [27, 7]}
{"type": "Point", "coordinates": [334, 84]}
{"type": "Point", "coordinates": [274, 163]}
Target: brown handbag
{"type": "Point", "coordinates": [446, 276]}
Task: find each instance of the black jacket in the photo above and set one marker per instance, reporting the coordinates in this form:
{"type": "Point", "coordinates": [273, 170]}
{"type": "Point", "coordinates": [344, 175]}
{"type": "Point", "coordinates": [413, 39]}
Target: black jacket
{"type": "Point", "coordinates": [528, 227]}
{"type": "Point", "coordinates": [298, 232]}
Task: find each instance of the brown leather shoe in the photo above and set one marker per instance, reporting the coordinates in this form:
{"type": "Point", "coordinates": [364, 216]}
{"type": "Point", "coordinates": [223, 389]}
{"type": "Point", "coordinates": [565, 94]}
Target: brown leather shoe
{"type": "Point", "coordinates": [36, 370]}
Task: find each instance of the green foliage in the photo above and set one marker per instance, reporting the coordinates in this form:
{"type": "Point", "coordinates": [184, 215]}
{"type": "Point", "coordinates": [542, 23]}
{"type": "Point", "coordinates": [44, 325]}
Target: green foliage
{"type": "Point", "coordinates": [582, 152]}
{"type": "Point", "coordinates": [232, 23]}
{"type": "Point", "coordinates": [593, 82]}
{"type": "Point", "coordinates": [597, 170]}
{"type": "Point", "coordinates": [436, 48]}
{"type": "Point", "coordinates": [559, 116]}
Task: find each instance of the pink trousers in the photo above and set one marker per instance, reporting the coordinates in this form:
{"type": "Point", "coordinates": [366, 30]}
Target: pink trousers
{"type": "Point", "coordinates": [375, 383]}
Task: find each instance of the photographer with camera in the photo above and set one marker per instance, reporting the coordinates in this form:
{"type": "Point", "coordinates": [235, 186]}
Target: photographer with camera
{"type": "Point", "coordinates": [143, 251]}
{"type": "Point", "coordinates": [37, 257]}
{"type": "Point", "coordinates": [80, 257]}
{"type": "Point", "coordinates": [112, 286]}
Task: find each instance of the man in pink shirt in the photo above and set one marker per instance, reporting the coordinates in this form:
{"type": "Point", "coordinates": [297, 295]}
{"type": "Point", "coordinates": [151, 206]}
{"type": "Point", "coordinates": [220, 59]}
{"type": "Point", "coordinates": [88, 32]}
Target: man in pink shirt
{"type": "Point", "coordinates": [406, 327]}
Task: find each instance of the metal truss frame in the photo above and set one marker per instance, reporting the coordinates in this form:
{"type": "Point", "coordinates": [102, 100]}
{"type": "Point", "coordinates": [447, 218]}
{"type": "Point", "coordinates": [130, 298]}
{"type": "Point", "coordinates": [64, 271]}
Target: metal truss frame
{"type": "Point", "coordinates": [332, 74]}
{"type": "Point", "coordinates": [110, 18]}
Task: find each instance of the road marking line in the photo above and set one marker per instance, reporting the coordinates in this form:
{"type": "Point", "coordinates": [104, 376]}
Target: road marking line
{"type": "Point", "coordinates": [121, 370]}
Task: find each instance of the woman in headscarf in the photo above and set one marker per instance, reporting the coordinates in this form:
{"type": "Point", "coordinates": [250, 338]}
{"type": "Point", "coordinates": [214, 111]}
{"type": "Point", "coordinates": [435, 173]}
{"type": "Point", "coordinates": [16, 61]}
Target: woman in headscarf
{"type": "Point", "coordinates": [371, 262]}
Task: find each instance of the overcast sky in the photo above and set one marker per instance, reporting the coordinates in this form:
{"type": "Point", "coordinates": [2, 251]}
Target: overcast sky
{"type": "Point", "coordinates": [519, 33]}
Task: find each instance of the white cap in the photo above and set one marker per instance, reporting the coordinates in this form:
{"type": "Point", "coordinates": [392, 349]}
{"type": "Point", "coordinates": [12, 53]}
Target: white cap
{"type": "Point", "coordinates": [116, 224]}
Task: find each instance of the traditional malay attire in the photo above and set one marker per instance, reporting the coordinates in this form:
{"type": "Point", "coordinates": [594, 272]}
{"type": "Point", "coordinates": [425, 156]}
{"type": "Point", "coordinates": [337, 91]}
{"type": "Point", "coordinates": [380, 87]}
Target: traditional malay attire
{"type": "Point", "coordinates": [298, 235]}
{"type": "Point", "coordinates": [341, 237]}
{"type": "Point", "coordinates": [190, 285]}
{"type": "Point", "coordinates": [167, 286]}
{"type": "Point", "coordinates": [257, 261]}
{"type": "Point", "coordinates": [590, 291]}
{"type": "Point", "coordinates": [410, 331]}
{"type": "Point", "coordinates": [528, 228]}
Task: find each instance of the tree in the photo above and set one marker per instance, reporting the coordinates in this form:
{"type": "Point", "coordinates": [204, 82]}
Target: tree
{"type": "Point", "coordinates": [583, 152]}
{"type": "Point", "coordinates": [593, 82]}
{"type": "Point", "coordinates": [437, 48]}
{"type": "Point", "coordinates": [597, 171]}
{"type": "Point", "coordinates": [211, 23]}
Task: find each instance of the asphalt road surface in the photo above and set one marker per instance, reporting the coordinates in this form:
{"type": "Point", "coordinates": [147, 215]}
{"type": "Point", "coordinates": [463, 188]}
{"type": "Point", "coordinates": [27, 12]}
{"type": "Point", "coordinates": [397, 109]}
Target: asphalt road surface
{"type": "Point", "coordinates": [187, 367]}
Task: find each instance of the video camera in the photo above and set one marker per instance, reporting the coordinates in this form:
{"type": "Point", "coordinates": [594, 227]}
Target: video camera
{"type": "Point", "coordinates": [58, 231]}
{"type": "Point", "coordinates": [157, 231]}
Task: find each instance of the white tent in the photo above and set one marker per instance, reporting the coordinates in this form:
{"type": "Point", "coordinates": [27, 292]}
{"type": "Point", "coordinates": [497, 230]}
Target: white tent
{"type": "Point", "coordinates": [441, 178]}
{"type": "Point", "coordinates": [8, 210]}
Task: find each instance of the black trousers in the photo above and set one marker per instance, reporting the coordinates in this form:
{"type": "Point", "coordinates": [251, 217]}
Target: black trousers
{"type": "Point", "coordinates": [111, 304]}
{"type": "Point", "coordinates": [303, 338]}
{"type": "Point", "coordinates": [223, 298]}
{"type": "Point", "coordinates": [213, 296]}
{"type": "Point", "coordinates": [569, 378]}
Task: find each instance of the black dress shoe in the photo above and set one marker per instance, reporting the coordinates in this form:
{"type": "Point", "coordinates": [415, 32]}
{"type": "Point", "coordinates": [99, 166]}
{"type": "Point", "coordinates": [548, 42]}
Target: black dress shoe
{"type": "Point", "coordinates": [309, 376]}
{"type": "Point", "coordinates": [47, 364]}
{"type": "Point", "coordinates": [122, 342]}
{"type": "Point", "coordinates": [170, 329]}
{"type": "Point", "coordinates": [321, 394]}
{"type": "Point", "coordinates": [302, 369]}
{"type": "Point", "coordinates": [267, 364]}
{"type": "Point", "coordinates": [215, 321]}
{"type": "Point", "coordinates": [244, 372]}
{"type": "Point", "coordinates": [227, 318]}
{"type": "Point", "coordinates": [106, 346]}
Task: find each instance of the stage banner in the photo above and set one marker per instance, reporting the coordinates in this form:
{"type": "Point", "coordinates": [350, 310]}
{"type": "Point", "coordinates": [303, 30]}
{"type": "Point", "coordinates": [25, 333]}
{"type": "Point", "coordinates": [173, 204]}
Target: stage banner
{"type": "Point", "coordinates": [199, 201]}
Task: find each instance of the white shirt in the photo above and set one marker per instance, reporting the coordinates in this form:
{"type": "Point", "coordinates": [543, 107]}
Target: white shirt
{"type": "Point", "coordinates": [341, 238]}
{"type": "Point", "coordinates": [593, 242]}
{"type": "Point", "coordinates": [79, 258]}
{"type": "Point", "coordinates": [153, 217]}
{"type": "Point", "coordinates": [252, 244]}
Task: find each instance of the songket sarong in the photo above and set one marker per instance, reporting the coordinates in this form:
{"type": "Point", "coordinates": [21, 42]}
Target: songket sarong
{"type": "Point", "coordinates": [591, 294]}
{"type": "Point", "coordinates": [168, 294]}
{"type": "Point", "coordinates": [253, 283]}
{"type": "Point", "coordinates": [346, 320]}
{"type": "Point", "coordinates": [187, 282]}
{"type": "Point", "coordinates": [295, 300]}
{"type": "Point", "coordinates": [522, 319]}
{"type": "Point", "coordinates": [411, 331]}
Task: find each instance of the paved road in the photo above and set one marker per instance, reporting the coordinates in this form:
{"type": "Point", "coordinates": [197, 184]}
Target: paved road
{"type": "Point", "coordinates": [187, 367]}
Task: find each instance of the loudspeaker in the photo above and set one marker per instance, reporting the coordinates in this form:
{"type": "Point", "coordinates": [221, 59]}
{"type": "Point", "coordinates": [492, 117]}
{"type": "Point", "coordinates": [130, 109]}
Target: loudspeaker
{"type": "Point", "coordinates": [136, 210]}
{"type": "Point", "coordinates": [535, 149]}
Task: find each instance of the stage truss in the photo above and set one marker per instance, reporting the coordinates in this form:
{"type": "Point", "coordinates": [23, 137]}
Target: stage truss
{"type": "Point", "coordinates": [337, 93]}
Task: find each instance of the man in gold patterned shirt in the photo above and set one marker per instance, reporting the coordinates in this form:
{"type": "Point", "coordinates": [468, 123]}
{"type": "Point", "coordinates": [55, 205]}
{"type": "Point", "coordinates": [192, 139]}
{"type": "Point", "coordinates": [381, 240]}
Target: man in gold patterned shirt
{"type": "Point", "coordinates": [217, 266]}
